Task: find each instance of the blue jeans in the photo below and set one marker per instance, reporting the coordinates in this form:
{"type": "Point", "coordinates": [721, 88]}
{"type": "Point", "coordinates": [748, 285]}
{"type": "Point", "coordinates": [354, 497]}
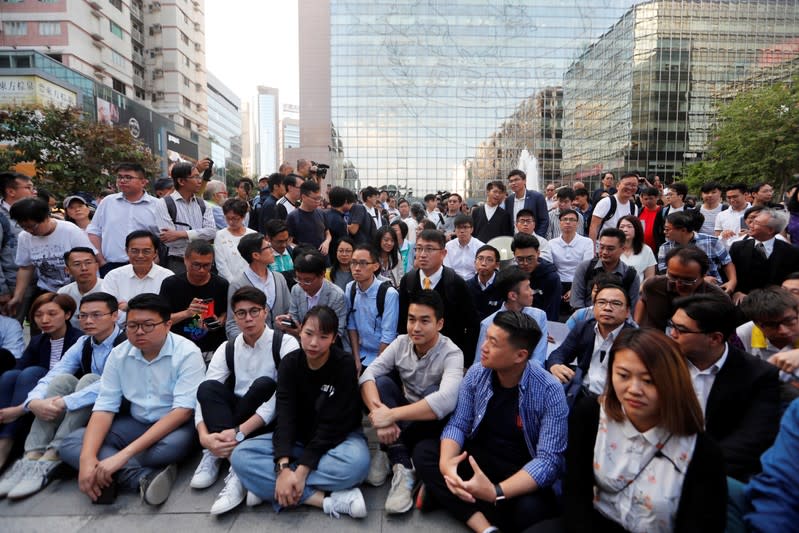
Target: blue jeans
{"type": "Point", "coordinates": [342, 467]}
{"type": "Point", "coordinates": [14, 388]}
{"type": "Point", "coordinates": [173, 448]}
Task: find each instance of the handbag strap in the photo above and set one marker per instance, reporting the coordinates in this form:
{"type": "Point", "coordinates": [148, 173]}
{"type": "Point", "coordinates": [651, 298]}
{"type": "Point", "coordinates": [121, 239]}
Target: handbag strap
{"type": "Point", "coordinates": [659, 447]}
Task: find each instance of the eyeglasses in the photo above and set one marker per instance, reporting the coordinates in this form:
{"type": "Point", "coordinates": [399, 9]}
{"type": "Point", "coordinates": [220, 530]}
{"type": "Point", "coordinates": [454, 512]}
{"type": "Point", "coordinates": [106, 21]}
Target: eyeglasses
{"type": "Point", "coordinates": [486, 259]}
{"type": "Point", "coordinates": [93, 316]}
{"type": "Point", "coordinates": [145, 252]}
{"type": "Point", "coordinates": [81, 264]}
{"type": "Point", "coordinates": [685, 282]}
{"type": "Point", "coordinates": [126, 177]}
{"type": "Point", "coordinates": [252, 311]}
{"type": "Point", "coordinates": [524, 259]}
{"type": "Point", "coordinates": [614, 304]}
{"type": "Point", "coordinates": [267, 247]}
{"type": "Point", "coordinates": [524, 221]}
{"type": "Point", "coordinates": [361, 264]}
{"type": "Point", "coordinates": [314, 198]}
{"type": "Point", "coordinates": [425, 250]}
{"type": "Point", "coordinates": [201, 266]}
{"type": "Point", "coordinates": [788, 322]}
{"type": "Point", "coordinates": [146, 327]}
{"type": "Point", "coordinates": [305, 282]}
{"type": "Point", "coordinates": [681, 330]}
{"type": "Point", "coordinates": [569, 220]}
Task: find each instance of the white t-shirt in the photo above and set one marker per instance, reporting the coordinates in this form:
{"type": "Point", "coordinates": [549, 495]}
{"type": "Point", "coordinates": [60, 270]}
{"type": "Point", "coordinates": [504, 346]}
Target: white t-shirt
{"type": "Point", "coordinates": [71, 290]}
{"type": "Point", "coordinates": [710, 218]}
{"type": "Point", "coordinates": [46, 253]}
{"type": "Point", "coordinates": [729, 220]}
{"type": "Point", "coordinates": [640, 261]}
{"type": "Point", "coordinates": [603, 207]}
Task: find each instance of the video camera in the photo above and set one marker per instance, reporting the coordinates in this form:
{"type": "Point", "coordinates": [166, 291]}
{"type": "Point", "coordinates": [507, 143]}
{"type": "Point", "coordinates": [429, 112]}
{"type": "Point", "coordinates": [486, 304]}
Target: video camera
{"type": "Point", "coordinates": [319, 169]}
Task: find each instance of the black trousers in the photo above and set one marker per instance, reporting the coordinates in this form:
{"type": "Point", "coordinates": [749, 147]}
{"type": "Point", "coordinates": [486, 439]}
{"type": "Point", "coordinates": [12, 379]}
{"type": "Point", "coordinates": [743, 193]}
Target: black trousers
{"type": "Point", "coordinates": [512, 514]}
{"type": "Point", "coordinates": [224, 410]}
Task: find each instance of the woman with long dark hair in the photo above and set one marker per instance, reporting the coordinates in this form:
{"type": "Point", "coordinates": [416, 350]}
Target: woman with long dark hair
{"type": "Point", "coordinates": [635, 253]}
{"type": "Point", "coordinates": [388, 248]}
{"type": "Point", "coordinates": [339, 271]}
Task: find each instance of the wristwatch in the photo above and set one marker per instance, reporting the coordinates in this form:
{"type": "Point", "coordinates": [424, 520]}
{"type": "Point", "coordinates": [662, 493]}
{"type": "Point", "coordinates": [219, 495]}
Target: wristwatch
{"type": "Point", "coordinates": [500, 494]}
{"type": "Point", "coordinates": [239, 435]}
{"type": "Point", "coordinates": [279, 467]}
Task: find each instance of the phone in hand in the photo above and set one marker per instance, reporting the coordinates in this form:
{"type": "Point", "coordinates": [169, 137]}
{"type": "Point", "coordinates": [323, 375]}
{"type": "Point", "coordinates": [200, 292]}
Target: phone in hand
{"type": "Point", "coordinates": [289, 323]}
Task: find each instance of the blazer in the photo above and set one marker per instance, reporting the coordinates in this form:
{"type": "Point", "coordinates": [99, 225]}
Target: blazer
{"type": "Point", "coordinates": [535, 202]}
{"type": "Point", "coordinates": [329, 295]}
{"type": "Point", "coordinates": [743, 411]}
{"type": "Point", "coordinates": [280, 307]}
{"type": "Point", "coordinates": [578, 343]}
{"type": "Point", "coordinates": [499, 225]}
{"type": "Point", "coordinates": [753, 274]}
{"type": "Point", "coordinates": [485, 301]}
{"type": "Point", "coordinates": [37, 353]}
{"type": "Point", "coordinates": [703, 500]}
{"type": "Point", "coordinates": [461, 322]}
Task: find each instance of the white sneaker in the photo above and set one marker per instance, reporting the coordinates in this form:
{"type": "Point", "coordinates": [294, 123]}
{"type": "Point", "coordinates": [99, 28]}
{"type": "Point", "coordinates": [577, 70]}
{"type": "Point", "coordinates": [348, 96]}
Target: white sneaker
{"type": "Point", "coordinates": [207, 471]}
{"type": "Point", "coordinates": [345, 501]}
{"type": "Point", "coordinates": [378, 469]}
{"type": "Point", "coordinates": [253, 499]}
{"type": "Point", "coordinates": [231, 496]}
{"type": "Point", "coordinates": [400, 495]}
{"type": "Point", "coordinates": [34, 478]}
{"type": "Point", "coordinates": [14, 475]}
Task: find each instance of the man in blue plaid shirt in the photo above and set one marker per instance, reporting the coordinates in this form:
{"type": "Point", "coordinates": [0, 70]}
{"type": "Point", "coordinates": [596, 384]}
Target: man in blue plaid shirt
{"type": "Point", "coordinates": [503, 448]}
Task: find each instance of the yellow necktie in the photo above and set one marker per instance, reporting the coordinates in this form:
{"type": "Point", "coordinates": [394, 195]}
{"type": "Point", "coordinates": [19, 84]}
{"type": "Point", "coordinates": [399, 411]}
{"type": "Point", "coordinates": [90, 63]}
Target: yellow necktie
{"type": "Point", "coordinates": [426, 284]}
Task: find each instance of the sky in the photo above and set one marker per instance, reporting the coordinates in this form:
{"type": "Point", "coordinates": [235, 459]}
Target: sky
{"type": "Point", "coordinates": [253, 42]}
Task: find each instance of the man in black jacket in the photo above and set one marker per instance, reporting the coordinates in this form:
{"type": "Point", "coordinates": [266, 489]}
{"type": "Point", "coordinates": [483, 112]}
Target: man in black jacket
{"type": "Point", "coordinates": [738, 392]}
{"type": "Point", "coordinates": [461, 322]}
{"type": "Point", "coordinates": [267, 210]}
{"type": "Point", "coordinates": [544, 277]}
{"type": "Point", "coordinates": [490, 219]}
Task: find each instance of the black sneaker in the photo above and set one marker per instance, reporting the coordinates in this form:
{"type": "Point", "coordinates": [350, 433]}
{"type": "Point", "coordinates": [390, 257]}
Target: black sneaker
{"type": "Point", "coordinates": [155, 488]}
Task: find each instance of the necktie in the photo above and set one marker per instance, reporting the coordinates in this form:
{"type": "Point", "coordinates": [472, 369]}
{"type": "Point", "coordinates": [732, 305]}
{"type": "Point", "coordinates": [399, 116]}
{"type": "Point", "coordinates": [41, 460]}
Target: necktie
{"type": "Point", "coordinates": [761, 249]}
{"type": "Point", "coordinates": [426, 284]}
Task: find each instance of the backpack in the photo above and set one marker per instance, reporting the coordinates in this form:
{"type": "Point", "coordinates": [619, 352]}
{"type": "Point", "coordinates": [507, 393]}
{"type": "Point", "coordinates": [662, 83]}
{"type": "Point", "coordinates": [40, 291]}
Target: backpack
{"type": "Point", "coordinates": [277, 343]}
{"type": "Point", "coordinates": [8, 234]}
{"type": "Point", "coordinates": [381, 298]}
{"type": "Point", "coordinates": [612, 210]}
{"type": "Point", "coordinates": [87, 352]}
{"type": "Point", "coordinates": [172, 210]}
{"type": "Point", "coordinates": [626, 280]}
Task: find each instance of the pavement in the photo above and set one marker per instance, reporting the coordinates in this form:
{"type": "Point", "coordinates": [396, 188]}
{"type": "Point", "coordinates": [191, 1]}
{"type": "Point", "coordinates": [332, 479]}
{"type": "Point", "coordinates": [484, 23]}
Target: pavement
{"type": "Point", "coordinates": [62, 508]}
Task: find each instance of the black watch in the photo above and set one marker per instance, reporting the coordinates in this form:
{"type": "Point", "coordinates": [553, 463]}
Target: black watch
{"type": "Point", "coordinates": [500, 494]}
{"type": "Point", "coordinates": [279, 467]}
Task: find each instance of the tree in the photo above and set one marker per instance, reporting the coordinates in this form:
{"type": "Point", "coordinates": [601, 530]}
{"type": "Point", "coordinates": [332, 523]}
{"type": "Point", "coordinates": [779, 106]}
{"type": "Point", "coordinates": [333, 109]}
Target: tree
{"type": "Point", "coordinates": [70, 152]}
{"type": "Point", "coordinates": [756, 139]}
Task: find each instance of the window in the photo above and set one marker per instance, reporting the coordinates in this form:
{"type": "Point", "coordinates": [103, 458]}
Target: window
{"type": "Point", "coordinates": [186, 102]}
{"type": "Point", "coordinates": [15, 28]}
{"type": "Point", "coordinates": [49, 28]}
{"type": "Point", "coordinates": [118, 85]}
{"type": "Point", "coordinates": [116, 3]}
{"type": "Point", "coordinates": [116, 30]}
{"type": "Point", "coordinates": [184, 38]}
{"type": "Point", "coordinates": [117, 59]}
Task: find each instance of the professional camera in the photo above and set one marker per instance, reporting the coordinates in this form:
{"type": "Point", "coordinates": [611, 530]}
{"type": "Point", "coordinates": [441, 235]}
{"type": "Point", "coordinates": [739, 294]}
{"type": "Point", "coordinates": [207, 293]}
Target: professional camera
{"type": "Point", "coordinates": [319, 169]}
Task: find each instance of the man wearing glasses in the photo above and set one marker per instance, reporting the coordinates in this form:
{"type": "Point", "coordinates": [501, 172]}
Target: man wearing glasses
{"type": "Point", "coordinates": [192, 219]}
{"type": "Point", "coordinates": [307, 224]}
{"type": "Point", "coordinates": [140, 276]}
{"type": "Point", "coordinates": [81, 265]}
{"type": "Point", "coordinates": [13, 187]}
{"type": "Point", "coordinates": [141, 423]}
{"type": "Point", "coordinates": [544, 277]}
{"type": "Point", "coordinates": [198, 299]}
{"type": "Point", "coordinates": [121, 213]}
{"type": "Point", "coordinates": [611, 246]}
{"type": "Point", "coordinates": [686, 267]}
{"type": "Point", "coordinates": [738, 393]}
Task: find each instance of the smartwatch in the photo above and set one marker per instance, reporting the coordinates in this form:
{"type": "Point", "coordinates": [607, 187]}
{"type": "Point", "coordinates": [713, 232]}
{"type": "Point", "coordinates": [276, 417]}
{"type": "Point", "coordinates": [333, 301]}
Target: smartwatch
{"type": "Point", "coordinates": [239, 435]}
{"type": "Point", "coordinates": [500, 493]}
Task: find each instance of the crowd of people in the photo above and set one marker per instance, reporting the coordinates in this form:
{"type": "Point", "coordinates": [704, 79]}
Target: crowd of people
{"type": "Point", "coordinates": [620, 359]}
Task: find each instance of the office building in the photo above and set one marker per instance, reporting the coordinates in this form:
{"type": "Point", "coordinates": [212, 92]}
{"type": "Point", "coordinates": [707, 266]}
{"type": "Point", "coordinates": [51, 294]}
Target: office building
{"type": "Point", "coordinates": [224, 125]}
{"type": "Point", "coordinates": [266, 131]}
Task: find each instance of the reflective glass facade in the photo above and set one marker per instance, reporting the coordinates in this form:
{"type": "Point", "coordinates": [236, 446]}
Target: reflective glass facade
{"type": "Point", "coordinates": [446, 95]}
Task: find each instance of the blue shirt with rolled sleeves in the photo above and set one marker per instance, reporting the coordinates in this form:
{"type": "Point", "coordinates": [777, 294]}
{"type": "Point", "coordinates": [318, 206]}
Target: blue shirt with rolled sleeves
{"type": "Point", "coordinates": [372, 330]}
{"type": "Point", "coordinates": [153, 388]}
{"type": "Point", "coordinates": [540, 317]}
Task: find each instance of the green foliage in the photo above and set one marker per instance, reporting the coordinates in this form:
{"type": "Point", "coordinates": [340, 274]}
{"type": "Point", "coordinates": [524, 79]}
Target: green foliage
{"type": "Point", "coordinates": [757, 139]}
{"type": "Point", "coordinates": [70, 153]}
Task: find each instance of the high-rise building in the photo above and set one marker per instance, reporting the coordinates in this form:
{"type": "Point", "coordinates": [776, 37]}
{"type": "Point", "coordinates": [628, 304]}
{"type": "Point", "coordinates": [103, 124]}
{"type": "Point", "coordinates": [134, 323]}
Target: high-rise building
{"type": "Point", "coordinates": [224, 125]}
{"type": "Point", "coordinates": [151, 52]}
{"type": "Point", "coordinates": [429, 96]}
{"type": "Point", "coordinates": [266, 131]}
{"type": "Point", "coordinates": [247, 163]}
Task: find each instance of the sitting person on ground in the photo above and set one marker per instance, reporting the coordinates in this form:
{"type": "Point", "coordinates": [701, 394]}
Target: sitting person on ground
{"type": "Point", "coordinates": [481, 285]}
{"type": "Point", "coordinates": [12, 342]}
{"type": "Point", "coordinates": [51, 313]}
{"type": "Point", "coordinates": [583, 354]}
{"type": "Point", "coordinates": [373, 307]}
{"type": "Point", "coordinates": [587, 313]}
{"type": "Point", "coordinates": [543, 275]}
{"type": "Point", "coordinates": [317, 455]}
{"type": "Point", "coordinates": [410, 391]}
{"type": "Point", "coordinates": [278, 235]}
{"type": "Point", "coordinates": [611, 246]}
{"type": "Point", "coordinates": [141, 424]}
{"type": "Point", "coordinates": [82, 266]}
{"type": "Point", "coordinates": [389, 260]}
{"type": "Point", "coordinates": [513, 289]}
{"type": "Point", "coordinates": [339, 271]}
{"type": "Point", "coordinates": [198, 299]}
{"type": "Point", "coordinates": [738, 393]}
{"type": "Point", "coordinates": [462, 250]}
{"type": "Point", "coordinates": [235, 402]}
{"type": "Point", "coordinates": [227, 258]}
{"type": "Point", "coordinates": [406, 250]}
{"type": "Point", "coordinates": [259, 255]}
{"type": "Point", "coordinates": [62, 400]}
{"type": "Point", "coordinates": [638, 458]}
{"type": "Point", "coordinates": [525, 223]}
{"type": "Point", "coordinates": [503, 447]}
{"type": "Point", "coordinates": [569, 249]}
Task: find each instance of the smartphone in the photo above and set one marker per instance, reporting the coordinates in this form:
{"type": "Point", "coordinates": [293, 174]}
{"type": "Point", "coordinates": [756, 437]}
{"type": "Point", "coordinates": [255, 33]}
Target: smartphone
{"type": "Point", "coordinates": [208, 172]}
{"type": "Point", "coordinates": [211, 323]}
{"type": "Point", "coordinates": [206, 300]}
{"type": "Point", "coordinates": [290, 323]}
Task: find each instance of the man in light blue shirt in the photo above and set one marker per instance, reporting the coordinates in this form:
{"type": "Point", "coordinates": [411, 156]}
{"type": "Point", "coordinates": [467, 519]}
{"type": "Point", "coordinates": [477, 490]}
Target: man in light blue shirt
{"type": "Point", "coordinates": [62, 400]}
{"type": "Point", "coordinates": [370, 331]}
{"type": "Point", "coordinates": [513, 288]}
{"type": "Point", "coordinates": [142, 420]}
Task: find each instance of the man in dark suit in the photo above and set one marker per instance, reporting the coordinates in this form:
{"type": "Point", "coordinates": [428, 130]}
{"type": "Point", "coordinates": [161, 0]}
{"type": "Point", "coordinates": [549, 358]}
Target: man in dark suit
{"type": "Point", "coordinates": [738, 392]}
{"type": "Point", "coordinates": [461, 323]}
{"type": "Point", "coordinates": [522, 198]}
{"type": "Point", "coordinates": [763, 260]}
{"type": "Point", "coordinates": [490, 219]}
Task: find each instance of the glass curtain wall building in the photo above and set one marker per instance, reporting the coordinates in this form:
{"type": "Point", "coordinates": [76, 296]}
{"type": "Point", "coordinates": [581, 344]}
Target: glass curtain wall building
{"type": "Point", "coordinates": [427, 96]}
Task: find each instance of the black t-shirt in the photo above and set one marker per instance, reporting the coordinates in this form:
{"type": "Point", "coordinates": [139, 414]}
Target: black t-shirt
{"type": "Point", "coordinates": [307, 227]}
{"type": "Point", "coordinates": [179, 293]}
{"type": "Point", "coordinates": [336, 224]}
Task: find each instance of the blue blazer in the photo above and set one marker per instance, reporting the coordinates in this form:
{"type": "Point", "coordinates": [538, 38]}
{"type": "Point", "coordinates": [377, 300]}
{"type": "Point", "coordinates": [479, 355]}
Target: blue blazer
{"type": "Point", "coordinates": [535, 202]}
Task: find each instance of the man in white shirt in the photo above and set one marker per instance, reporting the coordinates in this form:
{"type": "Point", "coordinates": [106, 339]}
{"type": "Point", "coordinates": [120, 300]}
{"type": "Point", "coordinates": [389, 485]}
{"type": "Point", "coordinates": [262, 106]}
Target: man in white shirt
{"type": "Point", "coordinates": [141, 276]}
{"type": "Point", "coordinates": [711, 206]}
{"type": "Point", "coordinates": [462, 251]}
{"type": "Point", "coordinates": [404, 208]}
{"type": "Point", "coordinates": [227, 414]}
{"type": "Point", "coordinates": [431, 211]}
{"type": "Point", "coordinates": [81, 264]}
{"type": "Point", "coordinates": [729, 222]}
{"type": "Point", "coordinates": [569, 250]}
{"type": "Point", "coordinates": [604, 216]}
{"type": "Point", "coordinates": [121, 213]}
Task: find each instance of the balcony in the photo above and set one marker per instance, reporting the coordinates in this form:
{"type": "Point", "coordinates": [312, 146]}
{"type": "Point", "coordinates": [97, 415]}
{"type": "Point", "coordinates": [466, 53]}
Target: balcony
{"type": "Point", "coordinates": [135, 11]}
{"type": "Point", "coordinates": [138, 81]}
{"type": "Point", "coordinates": [136, 35]}
{"type": "Point", "coordinates": [138, 58]}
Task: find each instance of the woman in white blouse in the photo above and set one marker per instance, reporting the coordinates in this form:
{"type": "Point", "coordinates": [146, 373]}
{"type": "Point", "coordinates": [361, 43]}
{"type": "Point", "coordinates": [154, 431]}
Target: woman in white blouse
{"type": "Point", "coordinates": [638, 459]}
{"type": "Point", "coordinates": [636, 253]}
{"type": "Point", "coordinates": [228, 260]}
